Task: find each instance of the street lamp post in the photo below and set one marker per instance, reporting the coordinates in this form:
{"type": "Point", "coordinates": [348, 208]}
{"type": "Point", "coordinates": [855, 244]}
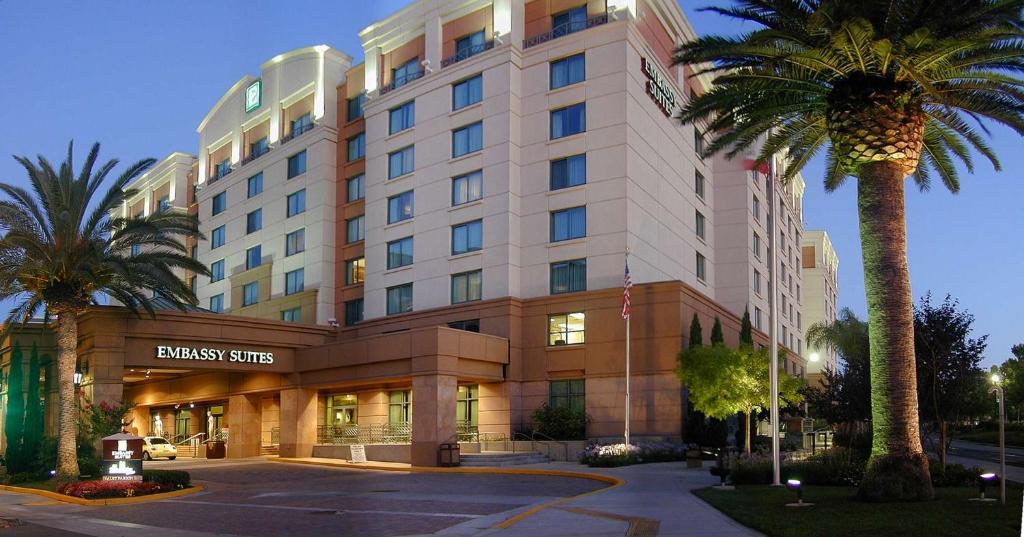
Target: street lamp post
{"type": "Point", "coordinates": [998, 390]}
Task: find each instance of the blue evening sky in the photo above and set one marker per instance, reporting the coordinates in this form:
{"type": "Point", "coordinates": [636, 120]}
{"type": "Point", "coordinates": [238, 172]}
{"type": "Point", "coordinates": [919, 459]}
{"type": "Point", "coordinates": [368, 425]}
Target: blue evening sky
{"type": "Point", "coordinates": [139, 76]}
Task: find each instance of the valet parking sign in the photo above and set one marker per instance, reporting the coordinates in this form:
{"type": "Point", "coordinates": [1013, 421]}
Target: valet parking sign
{"type": "Point", "coordinates": [122, 457]}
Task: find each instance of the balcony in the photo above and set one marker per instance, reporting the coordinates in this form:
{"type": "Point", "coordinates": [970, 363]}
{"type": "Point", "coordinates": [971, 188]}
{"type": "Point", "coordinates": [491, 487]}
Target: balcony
{"type": "Point", "coordinates": [297, 131]}
{"type": "Point", "coordinates": [563, 30]}
{"type": "Point", "coordinates": [467, 52]}
{"type": "Point", "coordinates": [255, 154]}
{"type": "Point", "coordinates": [401, 81]}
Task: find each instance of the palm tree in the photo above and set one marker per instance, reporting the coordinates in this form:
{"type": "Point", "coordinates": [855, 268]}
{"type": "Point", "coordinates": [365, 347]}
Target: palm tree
{"type": "Point", "coordinates": [61, 249]}
{"type": "Point", "coordinates": [891, 88]}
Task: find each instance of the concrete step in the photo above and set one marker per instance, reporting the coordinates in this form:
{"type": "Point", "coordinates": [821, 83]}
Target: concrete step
{"type": "Point", "coordinates": [502, 458]}
{"type": "Point", "coordinates": [269, 450]}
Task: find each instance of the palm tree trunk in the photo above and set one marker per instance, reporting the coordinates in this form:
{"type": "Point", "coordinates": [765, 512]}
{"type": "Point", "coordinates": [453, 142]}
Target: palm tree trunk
{"type": "Point", "coordinates": [67, 416]}
{"type": "Point", "coordinates": [898, 468]}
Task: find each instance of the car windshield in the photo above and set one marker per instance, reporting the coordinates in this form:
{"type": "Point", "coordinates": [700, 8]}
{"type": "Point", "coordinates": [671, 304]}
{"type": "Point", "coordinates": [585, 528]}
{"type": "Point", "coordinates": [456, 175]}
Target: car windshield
{"type": "Point", "coordinates": [157, 441]}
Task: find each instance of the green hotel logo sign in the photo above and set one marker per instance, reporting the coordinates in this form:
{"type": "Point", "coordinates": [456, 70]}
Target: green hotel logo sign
{"type": "Point", "coordinates": [658, 87]}
{"type": "Point", "coordinates": [253, 96]}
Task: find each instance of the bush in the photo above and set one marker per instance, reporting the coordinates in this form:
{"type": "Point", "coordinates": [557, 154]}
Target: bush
{"type": "Point", "coordinates": [957, 475]}
{"type": "Point", "coordinates": [108, 489]}
{"type": "Point", "coordinates": [167, 479]}
{"type": "Point", "coordinates": [610, 455]}
{"type": "Point", "coordinates": [89, 467]}
{"type": "Point", "coordinates": [561, 423]}
{"type": "Point", "coordinates": [839, 467]}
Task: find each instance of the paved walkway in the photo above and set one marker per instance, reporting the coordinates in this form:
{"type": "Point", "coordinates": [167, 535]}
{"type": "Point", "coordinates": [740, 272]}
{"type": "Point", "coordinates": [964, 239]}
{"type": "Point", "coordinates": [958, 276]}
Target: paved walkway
{"type": "Point", "coordinates": [986, 457]}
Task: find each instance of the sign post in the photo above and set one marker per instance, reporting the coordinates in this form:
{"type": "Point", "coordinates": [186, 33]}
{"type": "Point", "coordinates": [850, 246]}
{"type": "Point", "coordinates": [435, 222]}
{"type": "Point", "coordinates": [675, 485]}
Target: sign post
{"type": "Point", "coordinates": [122, 457]}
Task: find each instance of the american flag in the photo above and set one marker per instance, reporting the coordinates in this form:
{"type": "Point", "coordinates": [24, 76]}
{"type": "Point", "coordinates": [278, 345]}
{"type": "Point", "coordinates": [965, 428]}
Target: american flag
{"type": "Point", "coordinates": [627, 284]}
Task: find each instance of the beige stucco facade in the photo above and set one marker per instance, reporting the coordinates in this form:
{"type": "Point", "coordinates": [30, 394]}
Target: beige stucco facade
{"type": "Point", "coordinates": [821, 272]}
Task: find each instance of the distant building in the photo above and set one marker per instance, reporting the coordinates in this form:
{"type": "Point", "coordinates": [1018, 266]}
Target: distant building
{"type": "Point", "coordinates": [821, 294]}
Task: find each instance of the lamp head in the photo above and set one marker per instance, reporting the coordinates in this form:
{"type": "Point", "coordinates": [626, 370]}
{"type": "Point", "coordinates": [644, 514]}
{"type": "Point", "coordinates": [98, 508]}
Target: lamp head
{"type": "Point", "coordinates": [814, 357]}
{"type": "Point", "coordinates": [996, 378]}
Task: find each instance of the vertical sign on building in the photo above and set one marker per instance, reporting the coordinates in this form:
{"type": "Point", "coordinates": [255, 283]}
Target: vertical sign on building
{"type": "Point", "coordinates": [253, 96]}
{"type": "Point", "coordinates": [658, 87]}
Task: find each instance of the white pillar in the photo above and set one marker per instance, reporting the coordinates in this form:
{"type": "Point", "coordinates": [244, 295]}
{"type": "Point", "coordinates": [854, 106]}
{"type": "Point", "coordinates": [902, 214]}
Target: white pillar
{"type": "Point", "coordinates": [371, 69]}
{"type": "Point", "coordinates": [432, 42]}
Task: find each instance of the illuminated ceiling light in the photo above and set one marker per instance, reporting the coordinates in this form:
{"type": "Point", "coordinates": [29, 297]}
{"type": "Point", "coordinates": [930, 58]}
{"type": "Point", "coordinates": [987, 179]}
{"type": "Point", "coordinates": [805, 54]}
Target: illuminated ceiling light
{"type": "Point", "coordinates": [815, 357]}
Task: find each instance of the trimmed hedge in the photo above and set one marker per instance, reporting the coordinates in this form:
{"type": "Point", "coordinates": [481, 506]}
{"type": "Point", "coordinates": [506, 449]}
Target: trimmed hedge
{"type": "Point", "coordinates": [108, 489]}
{"type": "Point", "coordinates": [167, 479]}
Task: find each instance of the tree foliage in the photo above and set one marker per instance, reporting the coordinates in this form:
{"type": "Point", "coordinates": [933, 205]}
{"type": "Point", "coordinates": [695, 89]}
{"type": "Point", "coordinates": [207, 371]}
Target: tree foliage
{"type": "Point", "coordinates": [846, 394]}
{"type": "Point", "coordinates": [696, 336]}
{"type": "Point", "coordinates": [14, 417]}
{"type": "Point", "coordinates": [33, 429]}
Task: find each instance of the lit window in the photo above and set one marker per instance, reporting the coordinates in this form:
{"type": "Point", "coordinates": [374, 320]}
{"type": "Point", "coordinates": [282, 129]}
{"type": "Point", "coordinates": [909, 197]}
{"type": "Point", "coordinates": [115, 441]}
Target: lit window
{"type": "Point", "coordinates": [399, 299]}
{"type": "Point", "coordinates": [354, 230]}
{"type": "Point", "coordinates": [297, 164]}
{"type": "Point", "coordinates": [568, 71]}
{"type": "Point", "coordinates": [254, 221]}
{"type": "Point", "coordinates": [296, 203]}
{"type": "Point", "coordinates": [569, 276]}
{"type": "Point", "coordinates": [568, 171]}
{"type": "Point", "coordinates": [295, 242]}
{"type": "Point", "coordinates": [355, 188]}
{"type": "Point", "coordinates": [253, 257]}
{"type": "Point", "coordinates": [400, 407]}
{"type": "Point", "coordinates": [217, 271]}
{"type": "Point", "coordinates": [467, 237]}
{"type": "Point", "coordinates": [402, 117]}
{"type": "Point", "coordinates": [355, 271]}
{"type": "Point", "coordinates": [467, 92]}
{"type": "Point", "coordinates": [400, 207]}
{"type": "Point", "coordinates": [217, 237]}
{"type": "Point", "coordinates": [467, 188]}
{"type": "Point", "coordinates": [255, 185]}
{"type": "Point", "coordinates": [568, 121]}
{"type": "Point", "coordinates": [467, 139]}
{"type": "Point", "coordinates": [568, 224]}
{"type": "Point", "coordinates": [400, 253]}
{"type": "Point", "coordinates": [294, 282]}
{"type": "Point", "coordinates": [466, 287]}
{"type": "Point", "coordinates": [220, 203]}
{"type": "Point", "coordinates": [250, 293]}
{"type": "Point", "coordinates": [566, 328]}
{"type": "Point", "coordinates": [401, 162]}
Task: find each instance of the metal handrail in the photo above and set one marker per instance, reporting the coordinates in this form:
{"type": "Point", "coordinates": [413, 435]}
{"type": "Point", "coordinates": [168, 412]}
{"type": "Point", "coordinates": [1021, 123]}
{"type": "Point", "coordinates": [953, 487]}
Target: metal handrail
{"type": "Point", "coordinates": [467, 53]}
{"type": "Point", "coordinates": [401, 81]}
{"type": "Point", "coordinates": [189, 439]}
{"type": "Point", "coordinates": [546, 438]}
{"type": "Point", "coordinates": [563, 30]}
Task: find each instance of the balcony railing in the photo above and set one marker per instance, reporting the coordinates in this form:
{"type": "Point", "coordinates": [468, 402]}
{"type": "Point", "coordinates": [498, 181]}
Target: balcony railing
{"type": "Point", "coordinates": [401, 81]}
{"type": "Point", "coordinates": [374, 433]}
{"type": "Point", "coordinates": [219, 173]}
{"type": "Point", "coordinates": [563, 30]}
{"type": "Point", "coordinates": [467, 53]}
{"type": "Point", "coordinates": [299, 130]}
{"type": "Point", "coordinates": [255, 155]}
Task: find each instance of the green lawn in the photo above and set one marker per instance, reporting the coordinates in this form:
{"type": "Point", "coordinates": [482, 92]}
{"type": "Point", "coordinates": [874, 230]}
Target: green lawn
{"type": "Point", "coordinates": [49, 484]}
{"type": "Point", "coordinates": [837, 514]}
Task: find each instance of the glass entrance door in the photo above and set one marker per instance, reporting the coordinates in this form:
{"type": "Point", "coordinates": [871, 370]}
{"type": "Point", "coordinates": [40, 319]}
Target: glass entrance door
{"type": "Point", "coordinates": [182, 420]}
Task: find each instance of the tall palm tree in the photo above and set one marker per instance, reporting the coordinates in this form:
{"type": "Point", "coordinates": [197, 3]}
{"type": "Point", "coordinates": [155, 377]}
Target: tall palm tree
{"type": "Point", "coordinates": [891, 88]}
{"type": "Point", "coordinates": [61, 249]}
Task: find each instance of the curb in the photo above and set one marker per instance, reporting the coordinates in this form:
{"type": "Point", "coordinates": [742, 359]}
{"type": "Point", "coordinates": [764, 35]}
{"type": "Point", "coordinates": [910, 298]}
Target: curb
{"type": "Point", "coordinates": [105, 501]}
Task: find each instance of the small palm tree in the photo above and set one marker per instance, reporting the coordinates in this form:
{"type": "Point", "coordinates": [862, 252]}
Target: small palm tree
{"type": "Point", "coordinates": [891, 88]}
{"type": "Point", "coordinates": [61, 249]}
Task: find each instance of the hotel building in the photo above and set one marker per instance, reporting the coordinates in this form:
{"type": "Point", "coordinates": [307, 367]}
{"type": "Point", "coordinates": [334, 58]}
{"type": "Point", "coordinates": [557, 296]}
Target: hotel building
{"type": "Point", "coordinates": [821, 268]}
{"type": "Point", "coordinates": [431, 243]}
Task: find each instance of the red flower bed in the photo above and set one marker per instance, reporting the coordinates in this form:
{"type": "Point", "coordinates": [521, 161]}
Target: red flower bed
{"type": "Point", "coordinates": [108, 489]}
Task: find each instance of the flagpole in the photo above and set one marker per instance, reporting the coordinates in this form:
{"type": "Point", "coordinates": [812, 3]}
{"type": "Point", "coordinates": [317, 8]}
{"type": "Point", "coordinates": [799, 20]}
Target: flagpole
{"type": "Point", "coordinates": [629, 315]}
{"type": "Point", "coordinates": [773, 335]}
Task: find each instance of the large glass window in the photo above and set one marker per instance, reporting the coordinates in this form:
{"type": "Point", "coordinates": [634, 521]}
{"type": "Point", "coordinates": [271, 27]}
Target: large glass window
{"type": "Point", "coordinates": [297, 164]}
{"type": "Point", "coordinates": [467, 139]}
{"type": "Point", "coordinates": [259, 147]}
{"type": "Point", "coordinates": [467, 237]}
{"type": "Point", "coordinates": [250, 293]}
{"type": "Point", "coordinates": [221, 169]}
{"type": "Point", "coordinates": [355, 271]}
{"type": "Point", "coordinates": [253, 257]}
{"type": "Point", "coordinates": [699, 225]}
{"type": "Point", "coordinates": [470, 45]}
{"type": "Point", "coordinates": [569, 394]}
{"type": "Point", "coordinates": [401, 162]}
{"type": "Point", "coordinates": [292, 315]}
{"type": "Point", "coordinates": [217, 271]}
{"type": "Point", "coordinates": [217, 303]}
{"type": "Point", "coordinates": [355, 229]}
{"type": "Point", "coordinates": [355, 107]}
{"type": "Point", "coordinates": [400, 207]}
{"type": "Point", "coordinates": [301, 124]}
{"type": "Point", "coordinates": [356, 147]}
{"type": "Point", "coordinates": [400, 253]}
{"type": "Point", "coordinates": [467, 188]}
{"type": "Point", "coordinates": [566, 328]}
{"type": "Point", "coordinates": [569, 120]}
{"type": "Point", "coordinates": [466, 286]}
{"type": "Point", "coordinates": [698, 183]}
{"type": "Point", "coordinates": [568, 224]}
{"type": "Point", "coordinates": [220, 202]}
{"type": "Point", "coordinates": [296, 203]}
{"type": "Point", "coordinates": [702, 268]}
{"type": "Point", "coordinates": [568, 171]}
{"type": "Point", "coordinates": [568, 71]}
{"type": "Point", "coordinates": [569, 276]}
{"type": "Point", "coordinates": [467, 409]}
{"type": "Point", "coordinates": [353, 311]}
{"type": "Point", "coordinates": [405, 73]}
{"type": "Point", "coordinates": [569, 21]}
{"type": "Point", "coordinates": [342, 410]}
{"type": "Point", "coordinates": [467, 92]}
{"type": "Point", "coordinates": [402, 117]}
{"type": "Point", "coordinates": [254, 221]}
{"type": "Point", "coordinates": [355, 188]}
{"type": "Point", "coordinates": [400, 406]}
{"type": "Point", "coordinates": [294, 281]}
{"type": "Point", "coordinates": [399, 299]}
{"type": "Point", "coordinates": [217, 237]}
{"type": "Point", "coordinates": [469, 325]}
{"type": "Point", "coordinates": [255, 185]}
{"type": "Point", "coordinates": [295, 242]}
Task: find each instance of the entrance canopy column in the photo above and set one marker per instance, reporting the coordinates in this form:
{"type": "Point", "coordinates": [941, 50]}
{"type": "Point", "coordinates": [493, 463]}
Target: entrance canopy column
{"type": "Point", "coordinates": [243, 426]}
{"type": "Point", "coordinates": [298, 422]}
{"type": "Point", "coordinates": [433, 416]}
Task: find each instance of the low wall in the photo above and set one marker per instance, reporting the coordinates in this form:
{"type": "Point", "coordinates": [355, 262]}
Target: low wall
{"type": "Point", "coordinates": [374, 452]}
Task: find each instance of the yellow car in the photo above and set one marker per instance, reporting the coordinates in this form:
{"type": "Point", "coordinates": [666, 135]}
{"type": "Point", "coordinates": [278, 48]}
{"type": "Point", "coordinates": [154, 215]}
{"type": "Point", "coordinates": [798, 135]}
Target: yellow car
{"type": "Point", "coordinates": [155, 446]}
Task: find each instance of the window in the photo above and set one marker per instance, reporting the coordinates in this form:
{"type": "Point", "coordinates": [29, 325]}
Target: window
{"type": "Point", "coordinates": [405, 73]}
{"type": "Point", "coordinates": [259, 147]}
{"type": "Point", "coordinates": [193, 283]}
{"type": "Point", "coordinates": [467, 92]}
{"type": "Point", "coordinates": [217, 238]}
{"type": "Point", "coordinates": [567, 394]}
{"type": "Point", "coordinates": [400, 253]}
{"type": "Point", "coordinates": [399, 299]}
{"type": "Point", "coordinates": [354, 229]}
{"type": "Point", "coordinates": [698, 142]}
{"type": "Point", "coordinates": [255, 185]}
{"type": "Point", "coordinates": [194, 252]}
{"type": "Point", "coordinates": [297, 164]}
{"type": "Point", "coordinates": [756, 209]}
{"type": "Point", "coordinates": [294, 281]}
{"type": "Point", "coordinates": [293, 315]}
{"type": "Point", "coordinates": [301, 124]}
{"type": "Point", "coordinates": [254, 221]}
{"type": "Point", "coordinates": [220, 203]}
{"type": "Point", "coordinates": [470, 45]}
{"type": "Point", "coordinates": [566, 328]}
{"type": "Point", "coordinates": [466, 287]}
{"type": "Point", "coordinates": [400, 207]}
{"type": "Point", "coordinates": [568, 224]}
{"type": "Point", "coordinates": [163, 203]}
{"type": "Point", "coordinates": [467, 139]}
{"type": "Point", "coordinates": [353, 311]}
{"type": "Point", "coordinates": [469, 325]}
{"type": "Point", "coordinates": [136, 249]}
{"type": "Point", "coordinates": [756, 246]}
{"type": "Point", "coordinates": [702, 269]}
{"type": "Point", "coordinates": [569, 21]}
{"type": "Point", "coordinates": [355, 107]}
{"type": "Point", "coordinates": [355, 188]}
{"type": "Point", "coordinates": [400, 406]}
{"type": "Point", "coordinates": [568, 71]}
{"type": "Point", "coordinates": [217, 271]}
{"type": "Point", "coordinates": [568, 121]}
{"type": "Point", "coordinates": [467, 409]}
{"type": "Point", "coordinates": [217, 303]}
{"type": "Point", "coordinates": [253, 257]}
{"type": "Point", "coordinates": [467, 188]}
{"type": "Point", "coordinates": [356, 147]}
{"type": "Point", "coordinates": [296, 202]}
{"type": "Point", "coordinates": [699, 225]}
{"type": "Point", "coordinates": [355, 271]}
{"type": "Point", "coordinates": [467, 237]}
{"type": "Point", "coordinates": [757, 282]}
{"type": "Point", "coordinates": [250, 293]}
{"type": "Point", "coordinates": [698, 185]}
{"type": "Point", "coordinates": [295, 242]}
{"type": "Point", "coordinates": [569, 276]}
{"type": "Point", "coordinates": [221, 169]}
{"type": "Point", "coordinates": [403, 117]}
{"type": "Point", "coordinates": [401, 162]}
{"type": "Point", "coordinates": [757, 318]}
{"type": "Point", "coordinates": [568, 171]}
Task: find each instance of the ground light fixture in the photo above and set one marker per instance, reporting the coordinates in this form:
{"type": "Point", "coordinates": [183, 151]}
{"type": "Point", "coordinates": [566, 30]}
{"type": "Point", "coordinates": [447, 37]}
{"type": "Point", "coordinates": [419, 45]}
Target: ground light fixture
{"type": "Point", "coordinates": [983, 481]}
{"type": "Point", "coordinates": [794, 485]}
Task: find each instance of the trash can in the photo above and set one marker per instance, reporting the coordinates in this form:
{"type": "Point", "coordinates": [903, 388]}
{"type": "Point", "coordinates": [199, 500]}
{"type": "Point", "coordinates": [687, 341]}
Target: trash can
{"type": "Point", "coordinates": [215, 449]}
{"type": "Point", "coordinates": [448, 454]}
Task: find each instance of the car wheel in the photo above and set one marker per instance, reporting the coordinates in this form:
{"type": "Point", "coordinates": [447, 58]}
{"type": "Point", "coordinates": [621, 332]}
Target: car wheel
{"type": "Point", "coordinates": [146, 457]}
{"type": "Point", "coordinates": [172, 457]}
